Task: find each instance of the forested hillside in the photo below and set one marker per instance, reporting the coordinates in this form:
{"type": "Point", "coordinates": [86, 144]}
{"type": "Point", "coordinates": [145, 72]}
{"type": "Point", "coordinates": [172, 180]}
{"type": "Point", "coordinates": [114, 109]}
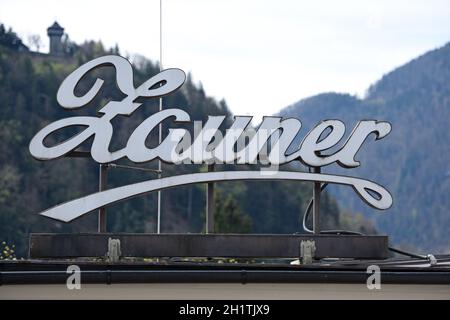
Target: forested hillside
{"type": "Point", "coordinates": [413, 160]}
{"type": "Point", "coordinates": [28, 86]}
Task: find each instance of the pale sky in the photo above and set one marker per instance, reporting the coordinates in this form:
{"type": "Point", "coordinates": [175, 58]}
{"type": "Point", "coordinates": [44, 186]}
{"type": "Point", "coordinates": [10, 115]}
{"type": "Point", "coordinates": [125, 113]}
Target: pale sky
{"type": "Point", "coordinates": [261, 55]}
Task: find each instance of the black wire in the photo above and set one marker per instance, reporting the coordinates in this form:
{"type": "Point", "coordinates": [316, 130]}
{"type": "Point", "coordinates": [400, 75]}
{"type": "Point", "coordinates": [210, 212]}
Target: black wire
{"type": "Point", "coordinates": [122, 166]}
{"type": "Point", "coordinates": [343, 232]}
{"type": "Point", "coordinates": [308, 210]}
{"type": "Point", "coordinates": [412, 255]}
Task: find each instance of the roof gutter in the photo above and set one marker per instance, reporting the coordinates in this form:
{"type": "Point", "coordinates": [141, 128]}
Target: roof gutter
{"type": "Point", "coordinates": [222, 276]}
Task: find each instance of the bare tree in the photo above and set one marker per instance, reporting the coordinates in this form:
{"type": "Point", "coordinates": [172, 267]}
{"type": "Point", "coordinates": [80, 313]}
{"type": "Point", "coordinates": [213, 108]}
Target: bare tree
{"type": "Point", "coordinates": [35, 41]}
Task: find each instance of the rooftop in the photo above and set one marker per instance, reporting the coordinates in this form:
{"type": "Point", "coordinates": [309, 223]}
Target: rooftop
{"type": "Point", "coordinates": [55, 26]}
{"type": "Point", "coordinates": [171, 270]}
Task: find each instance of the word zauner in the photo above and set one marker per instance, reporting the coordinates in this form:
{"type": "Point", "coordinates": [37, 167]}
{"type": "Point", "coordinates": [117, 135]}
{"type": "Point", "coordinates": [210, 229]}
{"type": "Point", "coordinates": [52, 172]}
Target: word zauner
{"type": "Point", "coordinates": [273, 141]}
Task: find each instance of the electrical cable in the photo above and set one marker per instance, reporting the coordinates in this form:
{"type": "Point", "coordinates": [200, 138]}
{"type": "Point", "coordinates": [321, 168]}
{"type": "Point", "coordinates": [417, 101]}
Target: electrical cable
{"type": "Point", "coordinates": [122, 166]}
{"type": "Point", "coordinates": [308, 209]}
{"type": "Point", "coordinates": [412, 255]}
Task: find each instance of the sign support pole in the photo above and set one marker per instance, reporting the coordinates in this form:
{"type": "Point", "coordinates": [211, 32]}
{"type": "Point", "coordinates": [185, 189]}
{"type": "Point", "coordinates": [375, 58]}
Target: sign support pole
{"type": "Point", "coordinates": [316, 201]}
{"type": "Point", "coordinates": [103, 181]}
{"type": "Point", "coordinates": [210, 208]}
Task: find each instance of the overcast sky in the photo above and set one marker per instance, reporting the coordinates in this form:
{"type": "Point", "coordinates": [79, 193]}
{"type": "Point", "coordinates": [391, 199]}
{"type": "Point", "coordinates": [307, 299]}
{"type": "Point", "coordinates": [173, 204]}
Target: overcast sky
{"type": "Point", "coordinates": [259, 55]}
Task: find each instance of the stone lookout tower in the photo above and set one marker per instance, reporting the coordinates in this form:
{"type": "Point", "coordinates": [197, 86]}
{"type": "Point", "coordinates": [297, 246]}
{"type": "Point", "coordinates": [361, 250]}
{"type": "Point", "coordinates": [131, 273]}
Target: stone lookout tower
{"type": "Point", "coordinates": [55, 32]}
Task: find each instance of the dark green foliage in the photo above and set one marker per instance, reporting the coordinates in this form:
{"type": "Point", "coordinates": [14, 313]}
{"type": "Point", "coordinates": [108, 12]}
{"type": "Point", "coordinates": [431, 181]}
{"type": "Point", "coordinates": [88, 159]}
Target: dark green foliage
{"type": "Point", "coordinates": [229, 217]}
{"type": "Point", "coordinates": [9, 39]}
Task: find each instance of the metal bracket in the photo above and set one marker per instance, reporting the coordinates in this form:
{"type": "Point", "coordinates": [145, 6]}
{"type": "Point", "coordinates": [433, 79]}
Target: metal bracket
{"type": "Point", "coordinates": [307, 251]}
{"type": "Point", "coordinates": [114, 252]}
{"type": "Point", "coordinates": [432, 259]}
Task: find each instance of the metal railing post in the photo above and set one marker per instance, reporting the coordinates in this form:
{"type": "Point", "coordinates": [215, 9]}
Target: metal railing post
{"type": "Point", "coordinates": [316, 208]}
{"type": "Point", "coordinates": [210, 208]}
{"type": "Point", "coordinates": [103, 181]}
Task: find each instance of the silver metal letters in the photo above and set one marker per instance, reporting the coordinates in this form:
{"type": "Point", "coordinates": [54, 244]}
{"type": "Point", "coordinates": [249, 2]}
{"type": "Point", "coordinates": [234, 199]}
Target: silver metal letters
{"type": "Point", "coordinates": [241, 143]}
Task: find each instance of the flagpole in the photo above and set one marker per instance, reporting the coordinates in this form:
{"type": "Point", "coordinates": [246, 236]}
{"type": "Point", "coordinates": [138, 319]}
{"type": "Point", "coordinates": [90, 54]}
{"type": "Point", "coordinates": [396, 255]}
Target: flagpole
{"type": "Point", "coordinates": [160, 109]}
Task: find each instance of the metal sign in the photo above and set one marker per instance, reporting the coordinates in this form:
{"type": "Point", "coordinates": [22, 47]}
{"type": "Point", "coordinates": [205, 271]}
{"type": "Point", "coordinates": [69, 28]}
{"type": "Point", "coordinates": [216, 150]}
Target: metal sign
{"type": "Point", "coordinates": [270, 144]}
